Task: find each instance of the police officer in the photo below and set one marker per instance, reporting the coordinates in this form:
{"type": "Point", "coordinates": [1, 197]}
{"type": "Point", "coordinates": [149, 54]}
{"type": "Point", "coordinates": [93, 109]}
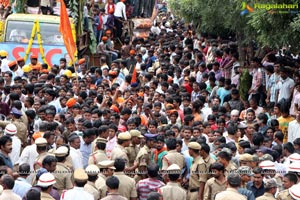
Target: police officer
{"type": "Point", "coordinates": [80, 179]}
{"type": "Point", "coordinates": [231, 193]}
{"type": "Point", "coordinates": [270, 190]}
{"type": "Point", "coordinates": [289, 180]}
{"type": "Point", "coordinates": [172, 157]}
{"type": "Point", "coordinates": [106, 170]}
{"type": "Point", "coordinates": [21, 126]}
{"type": "Point", "coordinates": [62, 174]}
{"type": "Point", "coordinates": [112, 184]}
{"type": "Point", "coordinates": [294, 191]}
{"type": "Point", "coordinates": [41, 148]}
{"type": "Point", "coordinates": [127, 185]}
{"type": "Point", "coordinates": [134, 146]}
{"type": "Point", "coordinates": [119, 151]}
{"type": "Point", "coordinates": [143, 159]}
{"type": "Point", "coordinates": [217, 183]}
{"type": "Point", "coordinates": [46, 182]}
{"type": "Point", "coordinates": [98, 155]}
{"type": "Point", "coordinates": [92, 172]}
{"type": "Point", "coordinates": [198, 173]}
{"type": "Point", "coordinates": [172, 191]}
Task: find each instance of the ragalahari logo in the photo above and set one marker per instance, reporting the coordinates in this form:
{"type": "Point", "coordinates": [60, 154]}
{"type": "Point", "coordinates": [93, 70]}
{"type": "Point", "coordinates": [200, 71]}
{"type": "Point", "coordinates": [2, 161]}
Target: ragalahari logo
{"type": "Point", "coordinates": [246, 9]}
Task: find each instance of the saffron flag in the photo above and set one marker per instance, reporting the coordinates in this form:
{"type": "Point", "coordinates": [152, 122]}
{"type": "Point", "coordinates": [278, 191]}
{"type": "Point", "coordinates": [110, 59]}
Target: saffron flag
{"type": "Point", "coordinates": [66, 31]}
{"type": "Point", "coordinates": [134, 82]}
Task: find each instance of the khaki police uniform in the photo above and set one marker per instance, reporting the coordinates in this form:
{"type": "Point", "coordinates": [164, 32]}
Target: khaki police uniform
{"type": "Point", "coordinates": [39, 160]}
{"type": "Point", "coordinates": [144, 156]}
{"type": "Point", "coordinates": [284, 195]}
{"type": "Point", "coordinates": [114, 196]}
{"type": "Point", "coordinates": [40, 142]}
{"type": "Point", "coordinates": [173, 157]}
{"type": "Point", "coordinates": [101, 185]}
{"type": "Point", "coordinates": [266, 196]}
{"type": "Point", "coordinates": [230, 194]}
{"type": "Point", "coordinates": [127, 185]}
{"type": "Point", "coordinates": [101, 181]}
{"type": "Point", "coordinates": [90, 187]}
{"type": "Point", "coordinates": [278, 179]}
{"type": "Point", "coordinates": [198, 174]}
{"type": "Point", "coordinates": [212, 187]}
{"type": "Point", "coordinates": [132, 152]}
{"type": "Point", "coordinates": [63, 177]}
{"type": "Point", "coordinates": [62, 174]}
{"type": "Point", "coordinates": [120, 152]}
{"type": "Point", "coordinates": [46, 196]}
{"type": "Point", "coordinates": [208, 161]}
{"type": "Point", "coordinates": [97, 156]}
{"type": "Point", "coordinates": [172, 191]}
{"type": "Point", "coordinates": [230, 168]}
{"type": "Point", "coordinates": [69, 163]}
{"type": "Point", "coordinates": [21, 128]}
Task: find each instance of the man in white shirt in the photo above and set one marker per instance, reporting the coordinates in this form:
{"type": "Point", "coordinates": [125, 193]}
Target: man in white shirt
{"type": "Point", "coordinates": [76, 155]}
{"type": "Point", "coordinates": [11, 131]}
{"type": "Point", "coordinates": [285, 86]}
{"type": "Point", "coordinates": [29, 154]}
{"type": "Point", "coordinates": [4, 61]}
{"type": "Point", "coordinates": [293, 128]}
{"type": "Point", "coordinates": [120, 15]}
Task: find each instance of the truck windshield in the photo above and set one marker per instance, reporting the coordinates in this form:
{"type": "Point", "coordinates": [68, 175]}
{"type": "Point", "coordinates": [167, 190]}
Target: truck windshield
{"type": "Point", "coordinates": [20, 32]}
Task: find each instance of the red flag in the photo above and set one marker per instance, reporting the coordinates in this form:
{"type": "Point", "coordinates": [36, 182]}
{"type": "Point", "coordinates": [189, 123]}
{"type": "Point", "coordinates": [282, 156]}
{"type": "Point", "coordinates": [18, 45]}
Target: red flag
{"type": "Point", "coordinates": [66, 31]}
{"type": "Point", "coordinates": [133, 78]}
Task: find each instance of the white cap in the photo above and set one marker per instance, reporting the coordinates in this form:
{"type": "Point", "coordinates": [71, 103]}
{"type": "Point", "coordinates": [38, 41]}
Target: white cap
{"type": "Point", "coordinates": [235, 112]}
{"type": "Point", "coordinates": [295, 157]}
{"type": "Point", "coordinates": [294, 167]}
{"type": "Point", "coordinates": [295, 191]}
{"type": "Point", "coordinates": [10, 129]}
{"type": "Point", "coordinates": [61, 151]}
{"type": "Point", "coordinates": [46, 180]}
{"type": "Point", "coordinates": [173, 167]}
{"type": "Point", "coordinates": [267, 164]}
{"type": "Point", "coordinates": [92, 170]}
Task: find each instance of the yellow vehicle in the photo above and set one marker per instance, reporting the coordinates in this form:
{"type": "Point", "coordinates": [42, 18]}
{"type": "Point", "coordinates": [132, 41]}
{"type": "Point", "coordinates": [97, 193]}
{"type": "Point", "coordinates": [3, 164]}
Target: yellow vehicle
{"type": "Point", "coordinates": [17, 32]}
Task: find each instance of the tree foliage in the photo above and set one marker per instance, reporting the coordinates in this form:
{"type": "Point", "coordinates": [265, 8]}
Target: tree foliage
{"type": "Point", "coordinates": [219, 17]}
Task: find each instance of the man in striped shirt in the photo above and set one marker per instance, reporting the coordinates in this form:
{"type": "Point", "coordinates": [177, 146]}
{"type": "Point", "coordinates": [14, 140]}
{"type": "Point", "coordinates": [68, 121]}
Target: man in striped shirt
{"type": "Point", "coordinates": [151, 184]}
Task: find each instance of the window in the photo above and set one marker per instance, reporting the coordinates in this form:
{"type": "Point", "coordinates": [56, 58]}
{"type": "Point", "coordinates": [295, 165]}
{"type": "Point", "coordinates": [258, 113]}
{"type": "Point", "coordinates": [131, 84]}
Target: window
{"type": "Point", "coordinates": [20, 32]}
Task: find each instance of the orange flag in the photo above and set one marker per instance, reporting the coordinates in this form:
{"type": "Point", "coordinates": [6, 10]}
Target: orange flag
{"type": "Point", "coordinates": [133, 78]}
{"type": "Point", "coordinates": [66, 31]}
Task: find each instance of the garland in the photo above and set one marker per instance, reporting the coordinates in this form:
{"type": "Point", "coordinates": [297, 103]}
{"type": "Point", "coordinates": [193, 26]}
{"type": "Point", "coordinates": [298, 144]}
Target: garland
{"type": "Point", "coordinates": [40, 42]}
{"type": "Point", "coordinates": [30, 41]}
{"type": "Point", "coordinates": [36, 29]}
{"type": "Point", "coordinates": [1, 30]}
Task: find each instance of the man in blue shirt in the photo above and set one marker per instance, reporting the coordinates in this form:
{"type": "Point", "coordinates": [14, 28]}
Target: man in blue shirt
{"type": "Point", "coordinates": [21, 185]}
{"type": "Point", "coordinates": [86, 145]}
{"type": "Point", "coordinates": [257, 185]}
{"type": "Point", "coordinates": [6, 148]}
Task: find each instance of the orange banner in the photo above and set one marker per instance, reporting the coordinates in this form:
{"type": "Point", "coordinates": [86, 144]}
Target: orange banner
{"type": "Point", "coordinates": [66, 31]}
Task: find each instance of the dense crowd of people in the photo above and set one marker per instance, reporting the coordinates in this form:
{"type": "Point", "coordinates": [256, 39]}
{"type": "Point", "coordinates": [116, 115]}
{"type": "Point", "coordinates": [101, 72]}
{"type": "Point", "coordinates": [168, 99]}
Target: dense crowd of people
{"type": "Point", "coordinates": [175, 116]}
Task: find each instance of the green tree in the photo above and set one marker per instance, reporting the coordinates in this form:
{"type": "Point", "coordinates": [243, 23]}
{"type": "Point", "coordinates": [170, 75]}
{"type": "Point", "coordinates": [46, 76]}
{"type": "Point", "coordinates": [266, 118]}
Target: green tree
{"type": "Point", "coordinates": [219, 17]}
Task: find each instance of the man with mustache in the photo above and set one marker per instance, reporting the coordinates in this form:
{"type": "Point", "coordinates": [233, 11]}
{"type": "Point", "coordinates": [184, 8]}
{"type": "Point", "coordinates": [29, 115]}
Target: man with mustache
{"type": "Point", "coordinates": [5, 149]}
